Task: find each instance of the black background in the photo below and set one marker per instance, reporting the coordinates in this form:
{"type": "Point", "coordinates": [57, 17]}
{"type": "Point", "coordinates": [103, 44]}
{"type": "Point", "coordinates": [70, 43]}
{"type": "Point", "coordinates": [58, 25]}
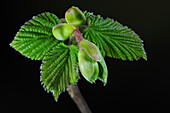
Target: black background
{"type": "Point", "coordinates": [138, 86]}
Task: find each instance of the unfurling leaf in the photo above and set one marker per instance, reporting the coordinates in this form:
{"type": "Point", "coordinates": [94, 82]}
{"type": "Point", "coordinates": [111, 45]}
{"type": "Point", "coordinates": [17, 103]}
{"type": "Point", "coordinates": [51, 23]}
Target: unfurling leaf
{"type": "Point", "coordinates": [63, 31]}
{"type": "Point", "coordinates": [60, 69]}
{"type": "Point", "coordinates": [92, 50]}
{"type": "Point", "coordinates": [75, 16]}
{"type": "Point", "coordinates": [35, 39]}
{"type": "Point", "coordinates": [103, 72]}
{"type": "Point", "coordinates": [88, 67]}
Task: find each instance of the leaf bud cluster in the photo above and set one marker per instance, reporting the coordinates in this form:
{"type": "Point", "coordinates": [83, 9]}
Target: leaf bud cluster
{"type": "Point", "coordinates": [74, 18]}
{"type": "Point", "coordinates": [88, 57]}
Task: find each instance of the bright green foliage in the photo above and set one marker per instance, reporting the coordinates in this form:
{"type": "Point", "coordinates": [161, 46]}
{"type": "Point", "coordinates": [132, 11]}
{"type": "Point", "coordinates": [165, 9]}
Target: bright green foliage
{"type": "Point", "coordinates": [113, 39]}
{"type": "Point", "coordinates": [89, 68]}
{"type": "Point", "coordinates": [59, 69]}
{"type": "Point", "coordinates": [75, 16]}
{"type": "Point", "coordinates": [103, 72]}
{"type": "Point", "coordinates": [95, 72]}
{"type": "Point", "coordinates": [91, 61]}
{"type": "Point", "coordinates": [35, 39]}
{"type": "Point", "coordinates": [92, 50]}
{"type": "Point", "coordinates": [63, 31]}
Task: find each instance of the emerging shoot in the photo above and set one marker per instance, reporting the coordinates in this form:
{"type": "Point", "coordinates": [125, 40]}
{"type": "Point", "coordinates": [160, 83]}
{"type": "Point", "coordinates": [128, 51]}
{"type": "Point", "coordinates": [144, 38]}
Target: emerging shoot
{"type": "Point", "coordinates": [75, 16]}
{"type": "Point", "coordinates": [63, 31]}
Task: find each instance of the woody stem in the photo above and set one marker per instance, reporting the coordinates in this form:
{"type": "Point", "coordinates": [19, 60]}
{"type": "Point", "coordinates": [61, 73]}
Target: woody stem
{"type": "Point", "coordinates": [77, 97]}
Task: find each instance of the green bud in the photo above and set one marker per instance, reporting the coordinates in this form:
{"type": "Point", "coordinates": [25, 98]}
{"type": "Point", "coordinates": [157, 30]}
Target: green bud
{"type": "Point", "coordinates": [75, 16]}
{"type": "Point", "coordinates": [63, 31]}
{"type": "Point", "coordinates": [92, 50]}
{"type": "Point", "coordinates": [89, 68]}
{"type": "Point", "coordinates": [96, 71]}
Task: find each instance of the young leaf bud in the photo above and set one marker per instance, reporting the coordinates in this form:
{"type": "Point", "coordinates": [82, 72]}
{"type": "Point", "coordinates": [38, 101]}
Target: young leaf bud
{"type": "Point", "coordinates": [75, 16]}
{"type": "Point", "coordinates": [92, 50]}
{"type": "Point", "coordinates": [96, 71]}
{"type": "Point", "coordinates": [63, 31]}
{"type": "Point", "coordinates": [88, 67]}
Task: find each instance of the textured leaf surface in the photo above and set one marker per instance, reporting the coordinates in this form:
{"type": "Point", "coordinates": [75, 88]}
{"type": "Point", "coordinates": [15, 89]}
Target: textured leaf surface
{"type": "Point", "coordinates": [60, 69]}
{"type": "Point", "coordinates": [35, 37]}
{"type": "Point", "coordinates": [113, 39]}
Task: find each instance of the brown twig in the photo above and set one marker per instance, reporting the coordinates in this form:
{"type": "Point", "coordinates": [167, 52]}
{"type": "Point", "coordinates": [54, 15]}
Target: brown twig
{"type": "Point", "coordinates": [75, 94]}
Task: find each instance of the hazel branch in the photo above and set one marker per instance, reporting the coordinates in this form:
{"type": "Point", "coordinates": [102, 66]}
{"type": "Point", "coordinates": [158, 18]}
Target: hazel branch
{"type": "Point", "coordinates": [77, 97]}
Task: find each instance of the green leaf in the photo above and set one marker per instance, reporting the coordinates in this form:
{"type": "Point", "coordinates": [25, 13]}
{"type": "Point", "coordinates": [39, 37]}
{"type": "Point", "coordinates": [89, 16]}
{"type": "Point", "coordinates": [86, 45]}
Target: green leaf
{"type": "Point", "coordinates": [86, 65]}
{"type": "Point", "coordinates": [63, 31]}
{"type": "Point", "coordinates": [75, 16]}
{"type": "Point", "coordinates": [113, 39]}
{"type": "Point", "coordinates": [103, 72]}
{"type": "Point", "coordinates": [60, 69]}
{"type": "Point", "coordinates": [91, 49]}
{"type": "Point", "coordinates": [35, 39]}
